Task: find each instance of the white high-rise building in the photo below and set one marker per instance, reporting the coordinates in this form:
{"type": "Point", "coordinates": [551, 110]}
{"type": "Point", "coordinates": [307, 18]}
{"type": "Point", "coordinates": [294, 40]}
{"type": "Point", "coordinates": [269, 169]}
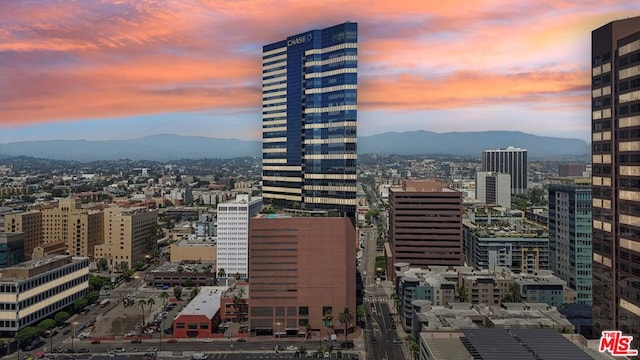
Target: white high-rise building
{"type": "Point", "coordinates": [233, 234]}
{"type": "Point", "coordinates": [512, 161]}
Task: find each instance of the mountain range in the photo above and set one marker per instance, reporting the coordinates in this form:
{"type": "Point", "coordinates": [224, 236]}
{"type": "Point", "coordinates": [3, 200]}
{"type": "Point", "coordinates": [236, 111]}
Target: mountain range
{"type": "Point", "coordinates": [172, 147]}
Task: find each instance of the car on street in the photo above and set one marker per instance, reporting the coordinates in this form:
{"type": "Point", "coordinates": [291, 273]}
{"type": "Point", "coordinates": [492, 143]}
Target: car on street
{"type": "Point", "coordinates": [397, 341]}
{"type": "Point", "coordinates": [152, 349]}
{"type": "Point", "coordinates": [206, 340]}
{"type": "Point", "coordinates": [241, 340]}
{"type": "Point", "coordinates": [120, 350]}
{"type": "Point", "coordinates": [66, 332]}
{"type": "Point", "coordinates": [95, 342]}
{"type": "Point", "coordinates": [83, 350]}
{"type": "Point", "coordinates": [84, 311]}
{"type": "Point", "coordinates": [172, 341]}
{"type": "Point", "coordinates": [136, 341]}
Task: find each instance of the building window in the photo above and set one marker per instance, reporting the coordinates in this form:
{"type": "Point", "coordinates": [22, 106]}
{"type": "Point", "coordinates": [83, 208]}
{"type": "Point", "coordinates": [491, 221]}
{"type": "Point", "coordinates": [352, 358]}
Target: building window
{"type": "Point", "coordinates": [180, 325]}
{"type": "Point", "coordinates": [303, 311]}
{"type": "Point", "coordinates": [204, 325]}
{"type": "Point", "coordinates": [192, 326]}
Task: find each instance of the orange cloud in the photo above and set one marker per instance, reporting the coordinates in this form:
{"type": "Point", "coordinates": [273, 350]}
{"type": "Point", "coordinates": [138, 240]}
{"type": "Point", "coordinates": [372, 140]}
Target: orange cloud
{"type": "Point", "coordinates": [100, 59]}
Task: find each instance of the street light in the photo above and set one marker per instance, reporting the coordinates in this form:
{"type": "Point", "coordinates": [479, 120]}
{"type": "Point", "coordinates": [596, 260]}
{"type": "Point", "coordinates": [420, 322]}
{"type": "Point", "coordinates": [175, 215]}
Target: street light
{"type": "Point", "coordinates": [73, 333]}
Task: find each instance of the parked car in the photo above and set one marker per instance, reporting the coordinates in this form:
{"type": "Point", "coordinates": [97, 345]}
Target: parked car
{"type": "Point", "coordinates": [83, 350]}
{"type": "Point", "coordinates": [84, 311]}
{"type": "Point", "coordinates": [241, 340]}
{"type": "Point", "coordinates": [172, 341]}
{"type": "Point", "coordinates": [120, 350]}
{"type": "Point", "coordinates": [206, 340]}
{"type": "Point", "coordinates": [136, 341]}
{"type": "Point", "coordinates": [66, 332]}
{"type": "Point", "coordinates": [95, 342]}
{"type": "Point", "coordinates": [397, 341]}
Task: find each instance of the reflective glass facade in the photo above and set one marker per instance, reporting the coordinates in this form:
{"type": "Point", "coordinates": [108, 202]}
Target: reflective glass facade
{"type": "Point", "coordinates": [309, 113]}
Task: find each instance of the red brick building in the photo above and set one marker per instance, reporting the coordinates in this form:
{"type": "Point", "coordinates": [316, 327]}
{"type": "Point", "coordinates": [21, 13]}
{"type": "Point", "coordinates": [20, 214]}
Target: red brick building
{"type": "Point", "coordinates": [201, 316]}
{"type": "Point", "coordinates": [300, 268]}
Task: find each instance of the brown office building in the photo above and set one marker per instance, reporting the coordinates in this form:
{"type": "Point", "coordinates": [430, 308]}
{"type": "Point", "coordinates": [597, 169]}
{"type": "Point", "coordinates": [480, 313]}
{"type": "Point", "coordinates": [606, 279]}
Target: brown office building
{"type": "Point", "coordinates": [425, 224]}
{"type": "Point", "coordinates": [615, 127]}
{"type": "Point", "coordinates": [30, 224]}
{"type": "Point", "coordinates": [300, 268]}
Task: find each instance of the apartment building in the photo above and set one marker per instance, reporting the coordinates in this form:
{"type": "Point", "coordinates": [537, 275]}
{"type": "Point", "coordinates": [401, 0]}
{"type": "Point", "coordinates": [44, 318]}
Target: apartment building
{"type": "Point", "coordinates": [30, 225]}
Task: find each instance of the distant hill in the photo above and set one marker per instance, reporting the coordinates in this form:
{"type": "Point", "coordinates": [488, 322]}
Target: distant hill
{"type": "Point", "coordinates": [172, 147]}
{"type": "Point", "coordinates": [469, 143]}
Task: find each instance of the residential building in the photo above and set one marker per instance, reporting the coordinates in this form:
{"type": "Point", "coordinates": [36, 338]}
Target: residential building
{"type": "Point", "coordinates": [201, 316]}
{"type": "Point", "coordinates": [518, 246]}
{"type": "Point", "coordinates": [233, 234]}
{"type": "Point", "coordinates": [11, 249]}
{"type": "Point", "coordinates": [129, 237]}
{"type": "Point", "coordinates": [425, 224]}
{"type": "Point", "coordinates": [309, 117]}
{"type": "Point", "coordinates": [301, 268]}
{"type": "Point", "coordinates": [570, 252]}
{"type": "Point", "coordinates": [30, 224]}
{"type": "Point", "coordinates": [510, 160]}
{"type": "Point", "coordinates": [493, 188]}
{"type": "Point", "coordinates": [615, 120]}
{"type": "Point", "coordinates": [37, 289]}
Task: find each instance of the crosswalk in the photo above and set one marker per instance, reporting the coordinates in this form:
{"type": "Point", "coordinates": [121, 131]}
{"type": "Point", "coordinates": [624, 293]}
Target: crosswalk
{"type": "Point", "coordinates": [379, 300]}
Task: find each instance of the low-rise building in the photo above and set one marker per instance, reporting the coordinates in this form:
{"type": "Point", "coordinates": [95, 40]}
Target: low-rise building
{"type": "Point", "coordinates": [505, 344]}
{"type": "Point", "coordinates": [194, 249]}
{"type": "Point", "coordinates": [36, 289]}
{"type": "Point", "coordinates": [201, 316]}
{"type": "Point", "coordinates": [181, 274]}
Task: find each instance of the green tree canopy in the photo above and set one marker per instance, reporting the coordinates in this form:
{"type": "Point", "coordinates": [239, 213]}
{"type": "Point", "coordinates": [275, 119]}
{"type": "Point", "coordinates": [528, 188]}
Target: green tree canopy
{"type": "Point", "coordinates": [46, 324]}
{"type": "Point", "coordinates": [80, 304]}
{"type": "Point", "coordinates": [61, 317]}
{"type": "Point", "coordinates": [177, 292]}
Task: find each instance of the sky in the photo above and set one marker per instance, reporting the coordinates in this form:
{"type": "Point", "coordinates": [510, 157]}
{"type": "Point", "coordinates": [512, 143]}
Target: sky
{"type": "Point", "coordinates": [123, 69]}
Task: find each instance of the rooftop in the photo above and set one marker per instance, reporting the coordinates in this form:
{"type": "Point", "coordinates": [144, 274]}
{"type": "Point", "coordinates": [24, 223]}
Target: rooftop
{"type": "Point", "coordinates": [32, 264]}
{"type": "Point", "coordinates": [206, 303]}
{"type": "Point", "coordinates": [175, 267]}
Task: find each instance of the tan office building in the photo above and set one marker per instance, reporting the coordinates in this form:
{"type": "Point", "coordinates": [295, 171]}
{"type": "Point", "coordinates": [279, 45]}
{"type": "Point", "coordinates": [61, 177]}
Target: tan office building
{"type": "Point", "coordinates": [129, 236]}
{"type": "Point", "coordinates": [30, 224]}
{"type": "Point", "coordinates": [80, 229]}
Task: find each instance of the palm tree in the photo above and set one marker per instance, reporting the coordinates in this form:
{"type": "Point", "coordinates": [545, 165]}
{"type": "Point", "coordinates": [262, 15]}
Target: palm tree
{"type": "Point", "coordinates": [142, 303]}
{"type": "Point", "coordinates": [328, 321]}
{"type": "Point", "coordinates": [345, 317]}
{"type": "Point", "coordinates": [150, 302]}
{"type": "Point", "coordinates": [165, 297]}
{"type": "Point", "coordinates": [222, 273]}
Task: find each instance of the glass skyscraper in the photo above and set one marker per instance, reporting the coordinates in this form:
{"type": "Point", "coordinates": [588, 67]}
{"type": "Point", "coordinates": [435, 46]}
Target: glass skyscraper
{"type": "Point", "coordinates": [309, 112]}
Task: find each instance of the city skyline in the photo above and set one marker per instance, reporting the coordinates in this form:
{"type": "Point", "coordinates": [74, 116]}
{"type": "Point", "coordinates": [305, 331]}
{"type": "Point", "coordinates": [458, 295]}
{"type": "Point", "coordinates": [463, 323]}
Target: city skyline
{"type": "Point", "coordinates": [90, 71]}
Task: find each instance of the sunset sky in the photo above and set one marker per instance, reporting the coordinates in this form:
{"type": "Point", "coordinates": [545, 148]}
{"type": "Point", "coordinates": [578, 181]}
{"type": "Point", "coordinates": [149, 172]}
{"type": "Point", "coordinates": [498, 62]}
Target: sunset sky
{"type": "Point", "coordinates": [121, 69]}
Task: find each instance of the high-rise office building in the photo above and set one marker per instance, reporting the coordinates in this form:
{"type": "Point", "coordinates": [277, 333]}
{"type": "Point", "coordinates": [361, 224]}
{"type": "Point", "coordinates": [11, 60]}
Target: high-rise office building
{"type": "Point", "coordinates": [309, 107]}
{"type": "Point", "coordinates": [615, 124]}
{"type": "Point", "coordinates": [425, 224]}
{"type": "Point", "coordinates": [493, 188]}
{"type": "Point", "coordinates": [512, 161]}
{"type": "Point", "coordinates": [570, 234]}
{"type": "Point", "coordinates": [233, 234]}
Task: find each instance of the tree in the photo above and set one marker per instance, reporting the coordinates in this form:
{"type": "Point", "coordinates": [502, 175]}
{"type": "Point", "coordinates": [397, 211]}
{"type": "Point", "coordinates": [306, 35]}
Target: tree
{"type": "Point", "coordinates": [188, 283]}
{"type": "Point", "coordinates": [328, 320]}
{"type": "Point", "coordinates": [26, 335]}
{"type": "Point", "coordinates": [142, 303]}
{"type": "Point", "coordinates": [177, 292]}
{"type": "Point", "coordinates": [46, 324]}
{"type": "Point", "coordinates": [307, 327]}
{"type": "Point", "coordinates": [80, 304]}
{"type": "Point", "coordinates": [360, 311]}
{"type": "Point", "coordinates": [165, 297]}
{"type": "Point", "coordinates": [239, 304]}
{"type": "Point", "coordinates": [237, 276]}
{"type": "Point", "coordinates": [61, 317]}
{"type": "Point", "coordinates": [92, 296]}
{"type": "Point", "coordinates": [194, 293]}
{"type": "Point", "coordinates": [462, 293]}
{"type": "Point", "coordinates": [345, 317]}
{"type": "Point", "coordinates": [150, 302]}
{"type": "Point", "coordinates": [127, 274]}
{"type": "Point", "coordinates": [221, 273]}
{"type": "Point", "coordinates": [413, 346]}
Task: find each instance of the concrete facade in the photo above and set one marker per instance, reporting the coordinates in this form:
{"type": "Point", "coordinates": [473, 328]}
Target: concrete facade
{"type": "Point", "coordinates": [300, 268]}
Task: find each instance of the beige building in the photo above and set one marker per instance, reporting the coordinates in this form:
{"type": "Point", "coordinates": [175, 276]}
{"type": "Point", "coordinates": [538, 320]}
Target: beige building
{"type": "Point", "coordinates": [129, 236]}
{"type": "Point", "coordinates": [194, 250]}
{"type": "Point", "coordinates": [30, 224]}
{"type": "Point", "coordinates": [79, 228]}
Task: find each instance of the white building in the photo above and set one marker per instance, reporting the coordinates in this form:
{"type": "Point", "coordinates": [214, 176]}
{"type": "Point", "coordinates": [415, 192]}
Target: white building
{"type": "Point", "coordinates": [493, 188]}
{"type": "Point", "coordinates": [233, 234]}
{"type": "Point", "coordinates": [37, 289]}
